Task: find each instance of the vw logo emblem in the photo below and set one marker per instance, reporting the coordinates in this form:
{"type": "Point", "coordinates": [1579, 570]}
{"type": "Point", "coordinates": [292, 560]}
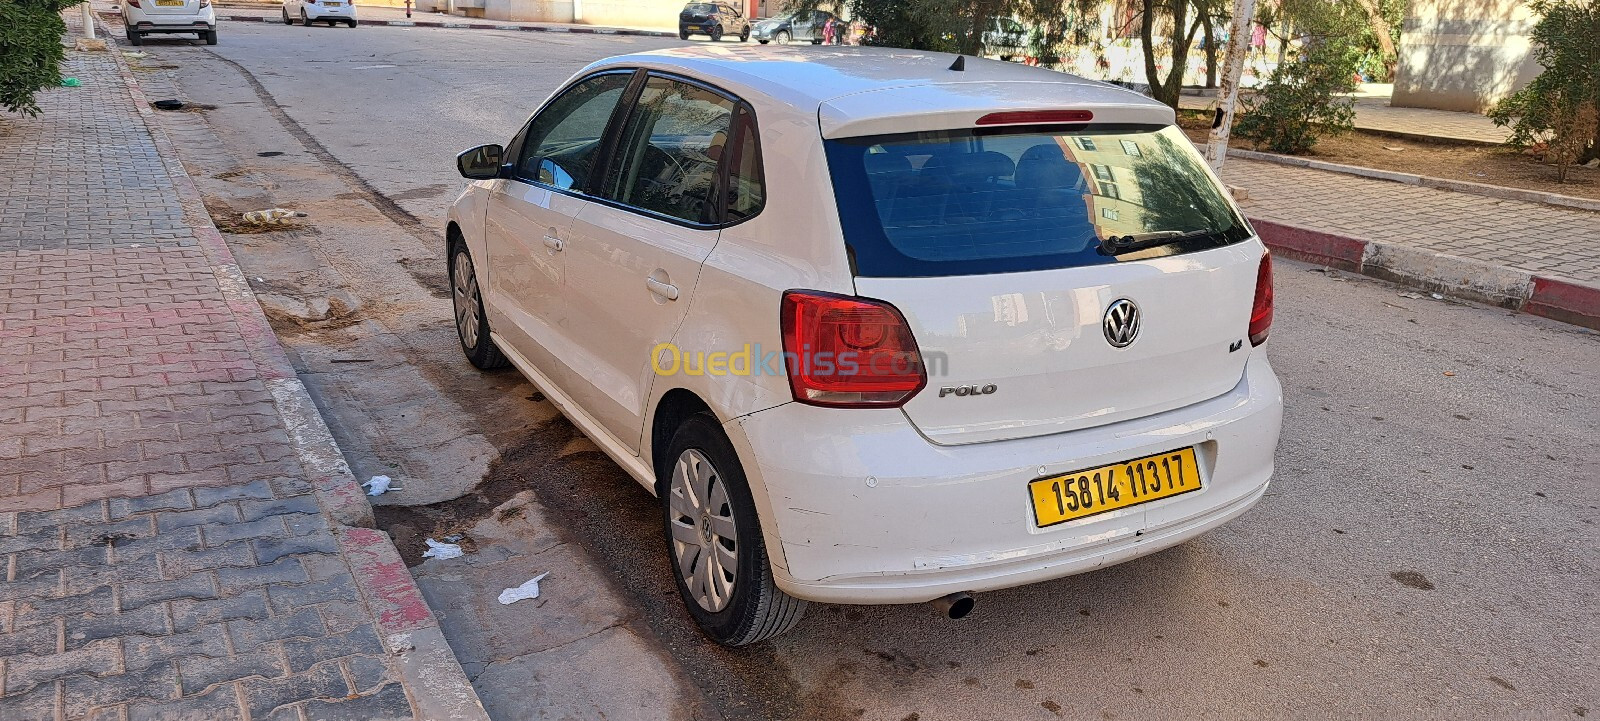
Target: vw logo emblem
{"type": "Point", "coordinates": [1121, 323]}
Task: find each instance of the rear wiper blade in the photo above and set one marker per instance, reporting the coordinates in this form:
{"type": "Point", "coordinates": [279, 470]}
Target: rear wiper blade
{"type": "Point", "coordinates": [1116, 245]}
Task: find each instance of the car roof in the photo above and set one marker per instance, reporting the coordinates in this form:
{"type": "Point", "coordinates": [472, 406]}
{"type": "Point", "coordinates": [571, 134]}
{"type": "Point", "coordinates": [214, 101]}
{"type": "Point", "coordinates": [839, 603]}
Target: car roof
{"type": "Point", "coordinates": [867, 90]}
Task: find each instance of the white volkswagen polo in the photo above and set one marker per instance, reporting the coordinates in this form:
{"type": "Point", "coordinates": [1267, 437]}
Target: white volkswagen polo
{"type": "Point", "coordinates": [876, 326]}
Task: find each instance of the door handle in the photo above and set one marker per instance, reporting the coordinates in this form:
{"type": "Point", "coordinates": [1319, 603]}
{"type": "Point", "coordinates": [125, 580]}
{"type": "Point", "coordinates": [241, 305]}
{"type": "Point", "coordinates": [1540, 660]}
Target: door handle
{"type": "Point", "coordinates": [665, 290]}
{"type": "Point", "coordinates": [554, 243]}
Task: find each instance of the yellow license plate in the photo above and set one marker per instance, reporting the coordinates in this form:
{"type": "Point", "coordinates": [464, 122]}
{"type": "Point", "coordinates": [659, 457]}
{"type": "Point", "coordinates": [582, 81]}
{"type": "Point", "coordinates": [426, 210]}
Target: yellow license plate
{"type": "Point", "coordinates": [170, 3]}
{"type": "Point", "coordinates": [1093, 491]}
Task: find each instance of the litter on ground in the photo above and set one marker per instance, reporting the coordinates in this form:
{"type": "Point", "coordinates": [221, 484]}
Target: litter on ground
{"type": "Point", "coordinates": [441, 551]}
{"type": "Point", "coordinates": [378, 486]}
{"type": "Point", "coordinates": [530, 589]}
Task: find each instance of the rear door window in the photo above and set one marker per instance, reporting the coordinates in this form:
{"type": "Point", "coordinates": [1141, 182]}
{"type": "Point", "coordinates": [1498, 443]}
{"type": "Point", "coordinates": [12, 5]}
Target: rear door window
{"type": "Point", "coordinates": [670, 150]}
{"type": "Point", "coordinates": [971, 202]}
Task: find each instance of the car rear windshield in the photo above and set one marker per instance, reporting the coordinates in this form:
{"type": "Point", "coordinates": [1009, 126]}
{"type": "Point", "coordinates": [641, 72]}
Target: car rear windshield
{"type": "Point", "coordinates": [975, 201]}
{"type": "Point", "coordinates": [700, 8]}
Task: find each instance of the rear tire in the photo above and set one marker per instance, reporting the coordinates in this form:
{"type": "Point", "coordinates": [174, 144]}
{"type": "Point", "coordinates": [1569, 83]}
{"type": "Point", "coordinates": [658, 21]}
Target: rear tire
{"type": "Point", "coordinates": [210, 36]}
{"type": "Point", "coordinates": [286, 20]}
{"type": "Point", "coordinates": [351, 22]}
{"type": "Point", "coordinates": [683, 34]}
{"type": "Point", "coordinates": [704, 496]}
{"type": "Point", "coordinates": [135, 38]}
{"type": "Point", "coordinates": [472, 324]}
{"type": "Point", "coordinates": [782, 38]}
{"type": "Point", "coordinates": [716, 34]}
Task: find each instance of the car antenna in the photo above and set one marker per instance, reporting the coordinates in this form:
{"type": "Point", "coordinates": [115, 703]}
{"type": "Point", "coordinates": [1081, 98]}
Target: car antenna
{"type": "Point", "coordinates": [960, 64]}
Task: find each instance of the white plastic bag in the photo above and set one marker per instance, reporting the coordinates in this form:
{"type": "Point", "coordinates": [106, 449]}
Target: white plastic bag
{"type": "Point", "coordinates": [378, 486]}
{"type": "Point", "coordinates": [526, 590]}
{"type": "Point", "coordinates": [441, 551]}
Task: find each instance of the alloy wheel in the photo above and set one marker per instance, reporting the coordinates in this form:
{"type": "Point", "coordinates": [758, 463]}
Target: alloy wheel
{"type": "Point", "coordinates": [465, 296]}
{"type": "Point", "coordinates": [704, 534]}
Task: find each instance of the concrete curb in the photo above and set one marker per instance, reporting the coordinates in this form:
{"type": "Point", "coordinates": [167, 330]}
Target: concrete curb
{"type": "Point", "coordinates": [434, 679]}
{"type": "Point", "coordinates": [1460, 186]}
{"type": "Point", "coordinates": [461, 25]}
{"type": "Point", "coordinates": [1561, 299]}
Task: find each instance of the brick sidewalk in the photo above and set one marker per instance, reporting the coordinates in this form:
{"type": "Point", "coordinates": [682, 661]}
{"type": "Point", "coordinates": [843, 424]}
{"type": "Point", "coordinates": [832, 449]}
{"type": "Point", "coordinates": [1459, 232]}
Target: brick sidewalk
{"type": "Point", "coordinates": [170, 554]}
{"type": "Point", "coordinates": [1510, 233]}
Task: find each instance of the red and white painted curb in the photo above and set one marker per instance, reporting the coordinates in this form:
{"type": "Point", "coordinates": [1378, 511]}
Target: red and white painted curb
{"type": "Point", "coordinates": [438, 687]}
{"type": "Point", "coordinates": [1554, 297]}
{"type": "Point", "coordinates": [460, 25]}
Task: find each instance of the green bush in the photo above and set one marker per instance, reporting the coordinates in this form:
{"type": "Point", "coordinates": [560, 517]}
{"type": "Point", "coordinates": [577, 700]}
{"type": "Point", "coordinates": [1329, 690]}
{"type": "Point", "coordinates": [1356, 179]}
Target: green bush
{"type": "Point", "coordinates": [1557, 111]}
{"type": "Point", "coordinates": [30, 50]}
{"type": "Point", "coordinates": [1301, 100]}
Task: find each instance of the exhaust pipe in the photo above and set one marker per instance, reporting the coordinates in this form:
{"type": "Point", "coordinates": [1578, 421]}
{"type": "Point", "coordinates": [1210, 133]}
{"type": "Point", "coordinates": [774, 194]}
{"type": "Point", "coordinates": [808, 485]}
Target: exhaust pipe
{"type": "Point", "coordinates": [954, 606]}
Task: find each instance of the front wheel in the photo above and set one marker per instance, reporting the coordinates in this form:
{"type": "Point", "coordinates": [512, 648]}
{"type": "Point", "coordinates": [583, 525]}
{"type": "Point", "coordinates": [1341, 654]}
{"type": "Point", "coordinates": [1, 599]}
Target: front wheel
{"type": "Point", "coordinates": [745, 35]}
{"type": "Point", "coordinates": [472, 325]}
{"type": "Point", "coordinates": [303, 19]}
{"type": "Point", "coordinates": [210, 36]}
{"type": "Point", "coordinates": [714, 540]}
{"type": "Point", "coordinates": [763, 42]}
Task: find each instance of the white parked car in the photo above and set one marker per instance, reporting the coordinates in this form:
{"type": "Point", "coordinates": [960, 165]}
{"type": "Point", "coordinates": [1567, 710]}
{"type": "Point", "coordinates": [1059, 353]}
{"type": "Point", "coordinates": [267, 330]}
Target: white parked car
{"type": "Point", "coordinates": [876, 329]}
{"type": "Point", "coordinates": [331, 12]}
{"type": "Point", "coordinates": [147, 17]}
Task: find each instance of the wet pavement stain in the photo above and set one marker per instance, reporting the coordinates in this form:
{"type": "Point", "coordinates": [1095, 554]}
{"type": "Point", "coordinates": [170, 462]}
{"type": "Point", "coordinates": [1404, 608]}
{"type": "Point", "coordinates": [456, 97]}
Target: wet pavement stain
{"type": "Point", "coordinates": [1412, 579]}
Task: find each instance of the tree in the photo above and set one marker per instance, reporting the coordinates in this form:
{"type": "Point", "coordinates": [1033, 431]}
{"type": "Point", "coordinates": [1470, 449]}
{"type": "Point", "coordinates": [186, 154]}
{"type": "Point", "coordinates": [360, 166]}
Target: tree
{"type": "Point", "coordinates": [1168, 89]}
{"type": "Point", "coordinates": [30, 50]}
{"type": "Point", "coordinates": [1560, 110]}
{"type": "Point", "coordinates": [1304, 98]}
{"type": "Point", "coordinates": [1212, 13]}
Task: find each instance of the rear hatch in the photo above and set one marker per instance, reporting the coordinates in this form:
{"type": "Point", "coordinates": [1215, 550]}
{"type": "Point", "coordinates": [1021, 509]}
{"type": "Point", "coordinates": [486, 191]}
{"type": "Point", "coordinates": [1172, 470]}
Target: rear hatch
{"type": "Point", "coordinates": [1006, 250]}
{"type": "Point", "coordinates": [696, 13]}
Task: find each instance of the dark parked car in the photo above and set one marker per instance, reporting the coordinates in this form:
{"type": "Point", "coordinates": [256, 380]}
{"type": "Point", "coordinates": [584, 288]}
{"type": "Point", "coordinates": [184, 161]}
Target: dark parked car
{"type": "Point", "coordinates": [803, 26]}
{"type": "Point", "coordinates": [713, 19]}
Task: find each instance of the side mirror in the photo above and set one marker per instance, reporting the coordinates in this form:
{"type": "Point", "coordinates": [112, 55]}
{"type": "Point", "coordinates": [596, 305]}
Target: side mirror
{"type": "Point", "coordinates": [481, 163]}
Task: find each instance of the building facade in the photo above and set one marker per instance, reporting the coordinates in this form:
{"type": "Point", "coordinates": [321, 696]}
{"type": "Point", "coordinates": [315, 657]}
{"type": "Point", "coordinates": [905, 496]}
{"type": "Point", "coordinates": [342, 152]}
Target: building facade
{"type": "Point", "coordinates": [1464, 54]}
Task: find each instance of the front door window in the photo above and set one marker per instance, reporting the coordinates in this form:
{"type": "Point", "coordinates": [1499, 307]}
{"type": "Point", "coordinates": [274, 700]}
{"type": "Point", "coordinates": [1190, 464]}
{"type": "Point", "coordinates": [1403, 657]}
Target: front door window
{"type": "Point", "coordinates": [564, 140]}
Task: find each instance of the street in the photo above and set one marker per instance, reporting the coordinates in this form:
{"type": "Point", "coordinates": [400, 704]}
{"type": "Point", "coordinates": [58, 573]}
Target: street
{"type": "Point", "coordinates": [1427, 548]}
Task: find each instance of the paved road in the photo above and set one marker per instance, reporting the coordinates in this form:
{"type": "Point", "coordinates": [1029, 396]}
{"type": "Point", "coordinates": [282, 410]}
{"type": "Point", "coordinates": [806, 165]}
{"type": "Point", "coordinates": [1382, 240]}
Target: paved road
{"type": "Point", "coordinates": [1427, 550]}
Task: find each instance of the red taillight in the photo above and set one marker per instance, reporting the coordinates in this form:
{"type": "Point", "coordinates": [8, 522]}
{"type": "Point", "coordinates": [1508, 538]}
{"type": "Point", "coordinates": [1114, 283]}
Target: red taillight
{"type": "Point", "coordinates": [134, 3]}
{"type": "Point", "coordinates": [1036, 117]}
{"type": "Point", "coordinates": [1261, 310]}
{"type": "Point", "coordinates": [849, 352]}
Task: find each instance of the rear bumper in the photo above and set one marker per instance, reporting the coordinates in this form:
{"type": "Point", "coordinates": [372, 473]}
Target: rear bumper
{"type": "Point", "coordinates": [189, 26]}
{"type": "Point", "coordinates": [874, 513]}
